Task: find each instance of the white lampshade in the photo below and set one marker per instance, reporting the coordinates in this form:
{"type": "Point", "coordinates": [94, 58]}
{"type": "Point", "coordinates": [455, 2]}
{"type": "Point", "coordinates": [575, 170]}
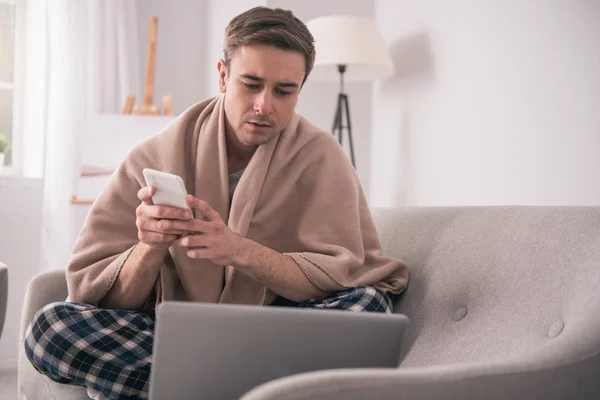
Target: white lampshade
{"type": "Point", "coordinates": [355, 42]}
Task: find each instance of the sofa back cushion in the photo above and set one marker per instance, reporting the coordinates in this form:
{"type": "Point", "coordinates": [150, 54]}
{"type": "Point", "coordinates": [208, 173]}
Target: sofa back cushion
{"type": "Point", "coordinates": [494, 281]}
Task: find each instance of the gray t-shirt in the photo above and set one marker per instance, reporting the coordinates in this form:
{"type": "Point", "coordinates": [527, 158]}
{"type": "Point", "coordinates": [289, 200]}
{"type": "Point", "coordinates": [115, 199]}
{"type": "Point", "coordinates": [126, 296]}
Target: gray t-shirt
{"type": "Point", "coordinates": [233, 181]}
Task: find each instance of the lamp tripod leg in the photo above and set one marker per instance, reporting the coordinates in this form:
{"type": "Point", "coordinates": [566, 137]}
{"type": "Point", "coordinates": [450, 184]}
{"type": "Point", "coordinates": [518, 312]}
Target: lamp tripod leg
{"type": "Point", "coordinates": [338, 125]}
{"type": "Point", "coordinates": [337, 121]}
{"type": "Point", "coordinates": [349, 126]}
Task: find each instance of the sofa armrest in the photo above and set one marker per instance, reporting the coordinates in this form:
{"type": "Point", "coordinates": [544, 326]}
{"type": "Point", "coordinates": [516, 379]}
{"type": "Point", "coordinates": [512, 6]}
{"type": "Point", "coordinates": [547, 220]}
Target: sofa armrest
{"type": "Point", "coordinates": [44, 288]}
{"type": "Point", "coordinates": [3, 294]}
{"type": "Point", "coordinates": [573, 380]}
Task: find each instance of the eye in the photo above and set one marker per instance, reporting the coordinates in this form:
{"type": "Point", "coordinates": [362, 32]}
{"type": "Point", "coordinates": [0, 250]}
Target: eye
{"type": "Point", "coordinates": [250, 86]}
{"type": "Point", "coordinates": [283, 92]}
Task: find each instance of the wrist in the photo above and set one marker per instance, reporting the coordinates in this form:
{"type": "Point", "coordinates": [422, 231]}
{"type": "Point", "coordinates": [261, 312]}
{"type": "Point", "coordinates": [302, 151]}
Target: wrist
{"type": "Point", "coordinates": [243, 248]}
{"type": "Point", "coordinates": [149, 250]}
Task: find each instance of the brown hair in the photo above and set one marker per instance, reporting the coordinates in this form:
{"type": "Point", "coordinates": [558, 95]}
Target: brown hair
{"type": "Point", "coordinates": [275, 27]}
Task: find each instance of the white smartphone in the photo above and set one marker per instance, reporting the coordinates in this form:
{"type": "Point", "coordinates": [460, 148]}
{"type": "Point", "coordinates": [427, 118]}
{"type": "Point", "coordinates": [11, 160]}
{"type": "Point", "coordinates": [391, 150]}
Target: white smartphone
{"type": "Point", "coordinates": [170, 189]}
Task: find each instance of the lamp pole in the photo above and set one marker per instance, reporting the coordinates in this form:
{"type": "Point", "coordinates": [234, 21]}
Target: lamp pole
{"type": "Point", "coordinates": [343, 110]}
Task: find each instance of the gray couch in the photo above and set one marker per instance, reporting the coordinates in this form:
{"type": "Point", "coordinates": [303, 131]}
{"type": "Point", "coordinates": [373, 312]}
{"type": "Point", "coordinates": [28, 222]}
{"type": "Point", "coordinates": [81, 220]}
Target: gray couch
{"type": "Point", "coordinates": [3, 294]}
{"type": "Point", "coordinates": [504, 302]}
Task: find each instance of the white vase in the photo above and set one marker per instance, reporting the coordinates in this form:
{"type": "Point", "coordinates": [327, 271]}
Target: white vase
{"type": "Point", "coordinates": [1, 160]}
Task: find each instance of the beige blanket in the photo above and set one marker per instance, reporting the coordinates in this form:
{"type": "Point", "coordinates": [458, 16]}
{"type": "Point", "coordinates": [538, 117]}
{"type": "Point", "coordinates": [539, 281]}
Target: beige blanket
{"type": "Point", "coordinates": [299, 195]}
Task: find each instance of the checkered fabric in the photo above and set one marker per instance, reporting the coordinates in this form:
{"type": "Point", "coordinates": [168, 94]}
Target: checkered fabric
{"type": "Point", "coordinates": [110, 351]}
{"type": "Point", "coordinates": [362, 298]}
{"type": "Point", "coordinates": [106, 350]}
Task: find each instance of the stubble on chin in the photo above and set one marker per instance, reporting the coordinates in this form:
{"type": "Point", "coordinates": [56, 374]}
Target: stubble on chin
{"type": "Point", "coordinates": [256, 139]}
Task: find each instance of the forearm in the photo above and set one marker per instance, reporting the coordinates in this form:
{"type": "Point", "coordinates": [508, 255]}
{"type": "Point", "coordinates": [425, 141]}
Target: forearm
{"type": "Point", "coordinates": [136, 279]}
{"type": "Point", "coordinates": [277, 271]}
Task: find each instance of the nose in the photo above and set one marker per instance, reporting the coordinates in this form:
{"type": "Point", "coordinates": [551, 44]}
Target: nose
{"type": "Point", "coordinates": [263, 103]}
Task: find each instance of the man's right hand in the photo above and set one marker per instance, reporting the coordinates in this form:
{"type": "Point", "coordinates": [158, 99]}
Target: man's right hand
{"type": "Point", "coordinates": [148, 221]}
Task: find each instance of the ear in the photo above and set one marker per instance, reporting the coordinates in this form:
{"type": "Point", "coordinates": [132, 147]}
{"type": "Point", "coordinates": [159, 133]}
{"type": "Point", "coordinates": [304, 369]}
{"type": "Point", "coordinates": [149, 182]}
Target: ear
{"type": "Point", "coordinates": [222, 68]}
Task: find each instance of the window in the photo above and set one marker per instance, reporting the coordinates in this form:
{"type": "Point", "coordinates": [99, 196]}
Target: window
{"type": "Point", "coordinates": [7, 61]}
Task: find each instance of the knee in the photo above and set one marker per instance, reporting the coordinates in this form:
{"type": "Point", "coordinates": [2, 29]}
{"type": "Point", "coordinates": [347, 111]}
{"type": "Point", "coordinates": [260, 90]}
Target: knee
{"type": "Point", "coordinates": [43, 332]}
{"type": "Point", "coordinates": [42, 324]}
{"type": "Point", "coordinates": [46, 318]}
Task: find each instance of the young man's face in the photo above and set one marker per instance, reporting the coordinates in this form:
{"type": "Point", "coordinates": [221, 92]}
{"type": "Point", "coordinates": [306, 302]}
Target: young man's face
{"type": "Point", "coordinates": [262, 88]}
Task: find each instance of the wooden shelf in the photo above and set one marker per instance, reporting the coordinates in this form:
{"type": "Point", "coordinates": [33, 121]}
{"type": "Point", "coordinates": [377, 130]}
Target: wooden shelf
{"type": "Point", "coordinates": [80, 202]}
{"type": "Point", "coordinates": [92, 170]}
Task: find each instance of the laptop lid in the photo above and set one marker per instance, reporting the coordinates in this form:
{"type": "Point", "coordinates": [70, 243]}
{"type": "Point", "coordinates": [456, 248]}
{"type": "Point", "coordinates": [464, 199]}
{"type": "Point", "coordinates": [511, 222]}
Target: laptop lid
{"type": "Point", "coordinates": [220, 351]}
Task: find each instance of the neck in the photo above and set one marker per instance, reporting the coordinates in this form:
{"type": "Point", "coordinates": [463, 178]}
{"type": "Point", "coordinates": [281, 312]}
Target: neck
{"type": "Point", "coordinates": [238, 154]}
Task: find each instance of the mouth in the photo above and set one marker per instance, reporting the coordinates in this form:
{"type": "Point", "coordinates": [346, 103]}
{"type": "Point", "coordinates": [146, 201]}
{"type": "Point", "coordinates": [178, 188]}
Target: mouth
{"type": "Point", "coordinates": [260, 124]}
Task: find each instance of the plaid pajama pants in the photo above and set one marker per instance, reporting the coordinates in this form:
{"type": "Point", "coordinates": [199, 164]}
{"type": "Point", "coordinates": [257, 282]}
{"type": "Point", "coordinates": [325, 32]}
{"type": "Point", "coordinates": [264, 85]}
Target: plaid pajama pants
{"type": "Point", "coordinates": [110, 351]}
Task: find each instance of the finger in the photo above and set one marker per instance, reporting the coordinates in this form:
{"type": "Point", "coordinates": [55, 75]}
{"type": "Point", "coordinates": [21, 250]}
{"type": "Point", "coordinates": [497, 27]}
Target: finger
{"type": "Point", "coordinates": [154, 237]}
{"type": "Point", "coordinates": [166, 225]}
{"type": "Point", "coordinates": [153, 225]}
{"type": "Point", "coordinates": [167, 212]}
{"type": "Point", "coordinates": [145, 194]}
{"type": "Point", "coordinates": [199, 253]}
{"type": "Point", "coordinates": [205, 209]}
{"type": "Point", "coordinates": [194, 241]}
{"type": "Point", "coordinates": [191, 225]}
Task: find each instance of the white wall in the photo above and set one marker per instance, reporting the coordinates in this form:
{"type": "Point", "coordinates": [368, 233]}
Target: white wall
{"type": "Point", "coordinates": [218, 15]}
{"type": "Point", "coordinates": [20, 232]}
{"type": "Point", "coordinates": [494, 102]}
{"type": "Point", "coordinates": [180, 49]}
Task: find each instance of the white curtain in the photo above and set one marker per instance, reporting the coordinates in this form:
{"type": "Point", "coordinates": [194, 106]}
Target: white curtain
{"type": "Point", "coordinates": [114, 59]}
{"type": "Point", "coordinates": [89, 56]}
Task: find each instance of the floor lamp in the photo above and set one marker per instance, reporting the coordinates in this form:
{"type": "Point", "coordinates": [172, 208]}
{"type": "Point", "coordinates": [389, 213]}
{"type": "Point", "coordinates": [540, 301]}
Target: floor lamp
{"type": "Point", "coordinates": [348, 48]}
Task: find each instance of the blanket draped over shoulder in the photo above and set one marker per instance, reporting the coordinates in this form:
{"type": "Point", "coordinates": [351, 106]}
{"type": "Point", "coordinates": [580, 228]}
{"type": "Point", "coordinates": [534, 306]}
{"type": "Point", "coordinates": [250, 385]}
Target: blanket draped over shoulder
{"type": "Point", "coordinates": [299, 195]}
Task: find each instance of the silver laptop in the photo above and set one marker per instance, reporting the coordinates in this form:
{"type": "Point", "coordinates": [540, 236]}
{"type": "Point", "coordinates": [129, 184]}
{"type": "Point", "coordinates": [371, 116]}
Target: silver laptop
{"type": "Point", "coordinates": [218, 351]}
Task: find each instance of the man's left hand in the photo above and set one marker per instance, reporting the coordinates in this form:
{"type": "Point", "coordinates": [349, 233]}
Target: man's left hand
{"type": "Point", "coordinates": [209, 237]}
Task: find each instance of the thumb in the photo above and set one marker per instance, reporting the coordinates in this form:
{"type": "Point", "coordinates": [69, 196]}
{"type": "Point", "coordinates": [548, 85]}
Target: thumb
{"type": "Point", "coordinates": [206, 211]}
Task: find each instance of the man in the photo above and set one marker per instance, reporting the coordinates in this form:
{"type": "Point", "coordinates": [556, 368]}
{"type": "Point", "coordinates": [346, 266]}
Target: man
{"type": "Point", "coordinates": [280, 219]}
